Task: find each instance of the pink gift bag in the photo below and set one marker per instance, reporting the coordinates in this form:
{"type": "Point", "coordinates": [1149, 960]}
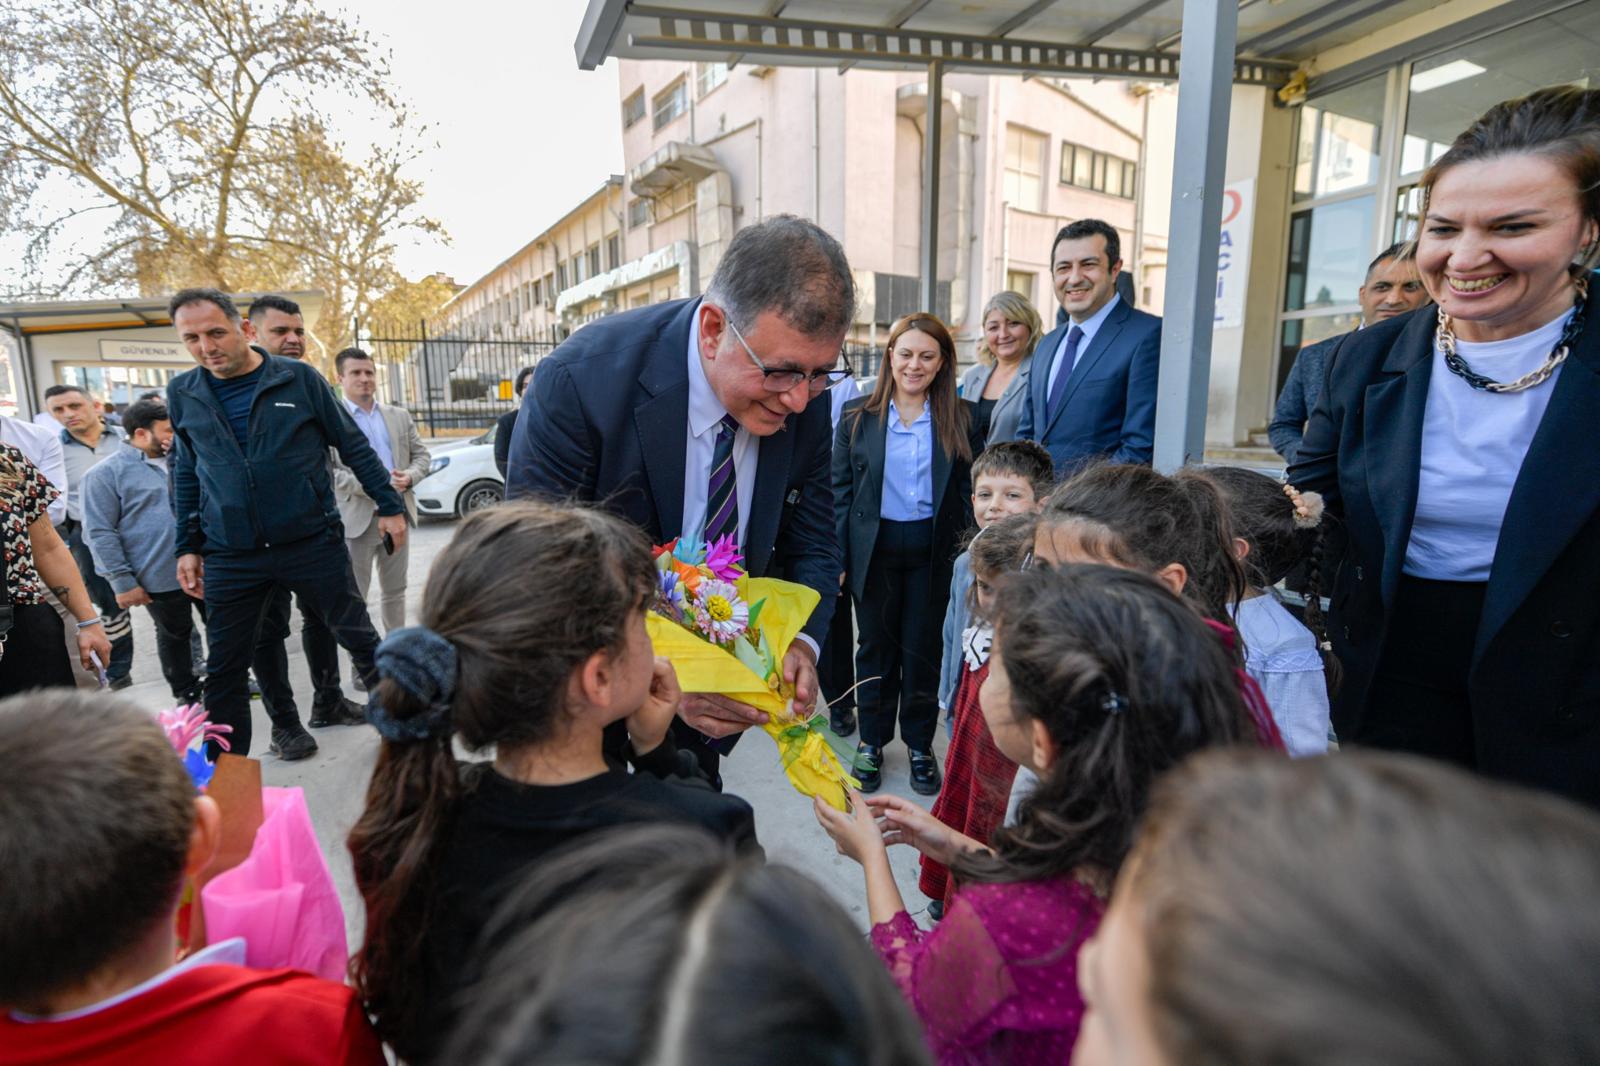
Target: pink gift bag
{"type": "Point", "coordinates": [281, 899]}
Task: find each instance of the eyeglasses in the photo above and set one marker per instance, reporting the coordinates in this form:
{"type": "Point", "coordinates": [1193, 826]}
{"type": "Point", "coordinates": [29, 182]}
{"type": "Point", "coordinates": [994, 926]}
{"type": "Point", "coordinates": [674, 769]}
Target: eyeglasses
{"type": "Point", "coordinates": [818, 381]}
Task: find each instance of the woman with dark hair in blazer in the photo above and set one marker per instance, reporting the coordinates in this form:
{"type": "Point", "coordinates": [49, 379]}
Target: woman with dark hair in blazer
{"type": "Point", "coordinates": [1462, 451]}
{"type": "Point", "coordinates": [902, 488]}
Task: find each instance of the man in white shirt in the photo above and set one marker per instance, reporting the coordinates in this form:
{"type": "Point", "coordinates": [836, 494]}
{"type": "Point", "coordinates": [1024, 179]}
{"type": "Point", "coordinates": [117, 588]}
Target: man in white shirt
{"type": "Point", "coordinates": [87, 440]}
{"type": "Point", "coordinates": [393, 435]}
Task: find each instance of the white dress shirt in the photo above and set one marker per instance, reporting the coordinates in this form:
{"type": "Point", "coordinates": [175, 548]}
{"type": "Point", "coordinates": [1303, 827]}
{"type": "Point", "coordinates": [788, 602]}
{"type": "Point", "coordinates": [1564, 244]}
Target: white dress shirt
{"type": "Point", "coordinates": [42, 446]}
{"type": "Point", "coordinates": [705, 418]}
{"type": "Point", "coordinates": [1473, 444]}
{"type": "Point", "coordinates": [373, 427]}
{"type": "Point", "coordinates": [1088, 329]}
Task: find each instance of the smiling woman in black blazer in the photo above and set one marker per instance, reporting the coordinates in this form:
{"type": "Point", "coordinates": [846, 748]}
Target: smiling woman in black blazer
{"type": "Point", "coordinates": [1463, 455]}
{"type": "Point", "coordinates": [902, 490]}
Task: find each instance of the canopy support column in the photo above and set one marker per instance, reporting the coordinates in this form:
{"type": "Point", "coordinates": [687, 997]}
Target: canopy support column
{"type": "Point", "coordinates": [932, 136]}
{"type": "Point", "coordinates": [1205, 86]}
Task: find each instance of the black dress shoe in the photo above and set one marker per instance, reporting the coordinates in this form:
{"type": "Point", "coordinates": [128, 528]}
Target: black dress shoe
{"type": "Point", "coordinates": [345, 712]}
{"type": "Point", "coordinates": [925, 778]}
{"type": "Point", "coordinates": [292, 743]}
{"type": "Point", "coordinates": [842, 721]}
{"type": "Point", "coordinates": [868, 767]}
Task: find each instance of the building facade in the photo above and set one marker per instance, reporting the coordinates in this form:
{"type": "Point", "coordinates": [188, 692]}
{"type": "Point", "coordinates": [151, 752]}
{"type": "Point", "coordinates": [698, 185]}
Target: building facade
{"type": "Point", "coordinates": [1317, 182]}
{"type": "Point", "coordinates": [709, 148]}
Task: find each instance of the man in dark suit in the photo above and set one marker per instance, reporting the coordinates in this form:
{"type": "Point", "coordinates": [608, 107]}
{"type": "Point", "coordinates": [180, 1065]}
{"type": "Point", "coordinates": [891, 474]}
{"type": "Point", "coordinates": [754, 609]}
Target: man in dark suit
{"type": "Point", "coordinates": [1392, 288]}
{"type": "Point", "coordinates": [1093, 395]}
{"type": "Point", "coordinates": [701, 417]}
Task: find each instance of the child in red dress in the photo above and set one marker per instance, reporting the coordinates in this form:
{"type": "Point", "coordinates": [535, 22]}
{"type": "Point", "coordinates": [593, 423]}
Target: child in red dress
{"type": "Point", "coordinates": [102, 830]}
{"type": "Point", "coordinates": [977, 775]}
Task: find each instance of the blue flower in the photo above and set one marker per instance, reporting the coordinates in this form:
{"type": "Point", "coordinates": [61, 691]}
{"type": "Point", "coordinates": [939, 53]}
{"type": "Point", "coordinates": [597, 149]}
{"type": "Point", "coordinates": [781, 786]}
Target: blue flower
{"type": "Point", "coordinates": [669, 596]}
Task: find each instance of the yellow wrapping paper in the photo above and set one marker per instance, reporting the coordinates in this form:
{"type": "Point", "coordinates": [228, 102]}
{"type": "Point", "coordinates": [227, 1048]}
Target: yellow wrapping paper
{"type": "Point", "coordinates": [808, 761]}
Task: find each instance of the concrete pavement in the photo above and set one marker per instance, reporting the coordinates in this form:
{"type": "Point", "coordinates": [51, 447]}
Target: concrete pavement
{"type": "Point", "coordinates": [335, 779]}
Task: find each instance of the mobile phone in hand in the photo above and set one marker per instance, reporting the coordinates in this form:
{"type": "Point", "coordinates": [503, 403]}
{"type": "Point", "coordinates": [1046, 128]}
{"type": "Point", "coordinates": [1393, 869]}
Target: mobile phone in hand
{"type": "Point", "coordinates": [388, 544]}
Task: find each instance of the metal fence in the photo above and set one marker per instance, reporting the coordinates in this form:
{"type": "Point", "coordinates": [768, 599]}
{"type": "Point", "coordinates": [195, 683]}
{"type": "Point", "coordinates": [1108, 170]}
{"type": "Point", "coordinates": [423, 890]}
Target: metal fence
{"type": "Point", "coordinates": [453, 384]}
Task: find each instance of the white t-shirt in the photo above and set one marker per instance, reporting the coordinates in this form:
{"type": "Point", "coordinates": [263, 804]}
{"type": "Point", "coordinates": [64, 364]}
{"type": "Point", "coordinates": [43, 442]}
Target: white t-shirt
{"type": "Point", "coordinates": [1281, 654]}
{"type": "Point", "coordinates": [1473, 444]}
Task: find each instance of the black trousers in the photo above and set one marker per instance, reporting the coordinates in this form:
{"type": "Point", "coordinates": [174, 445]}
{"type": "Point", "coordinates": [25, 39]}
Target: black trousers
{"type": "Point", "coordinates": [173, 614]}
{"type": "Point", "coordinates": [270, 660]}
{"type": "Point", "coordinates": [900, 615]}
{"type": "Point", "coordinates": [35, 651]}
{"type": "Point", "coordinates": [1418, 700]}
{"type": "Point", "coordinates": [836, 667]}
{"type": "Point", "coordinates": [238, 587]}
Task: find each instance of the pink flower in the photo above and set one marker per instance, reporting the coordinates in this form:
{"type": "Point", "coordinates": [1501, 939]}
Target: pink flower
{"type": "Point", "coordinates": [723, 559]}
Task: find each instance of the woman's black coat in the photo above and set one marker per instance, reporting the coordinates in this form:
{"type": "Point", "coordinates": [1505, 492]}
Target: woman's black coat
{"type": "Point", "coordinates": [1534, 684]}
{"type": "Point", "coordinates": [858, 452]}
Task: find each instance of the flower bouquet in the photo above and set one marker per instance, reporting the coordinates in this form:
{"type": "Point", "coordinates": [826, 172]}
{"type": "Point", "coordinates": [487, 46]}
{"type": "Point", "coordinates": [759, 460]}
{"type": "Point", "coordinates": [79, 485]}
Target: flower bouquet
{"type": "Point", "coordinates": [726, 633]}
{"type": "Point", "coordinates": [188, 728]}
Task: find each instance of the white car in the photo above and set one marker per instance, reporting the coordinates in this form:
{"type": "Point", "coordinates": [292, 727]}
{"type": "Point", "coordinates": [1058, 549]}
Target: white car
{"type": "Point", "coordinates": [461, 479]}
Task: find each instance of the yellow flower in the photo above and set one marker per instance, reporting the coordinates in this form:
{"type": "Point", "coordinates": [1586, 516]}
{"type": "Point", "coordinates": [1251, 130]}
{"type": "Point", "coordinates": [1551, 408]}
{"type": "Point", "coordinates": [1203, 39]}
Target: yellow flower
{"type": "Point", "coordinates": [719, 609]}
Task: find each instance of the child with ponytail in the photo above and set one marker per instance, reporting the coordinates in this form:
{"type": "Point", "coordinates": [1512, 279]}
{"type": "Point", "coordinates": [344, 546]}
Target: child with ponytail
{"type": "Point", "coordinates": [1295, 669]}
{"type": "Point", "coordinates": [1100, 680]}
{"type": "Point", "coordinates": [534, 669]}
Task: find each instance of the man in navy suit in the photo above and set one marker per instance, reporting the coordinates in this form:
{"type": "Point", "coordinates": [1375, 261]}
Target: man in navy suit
{"type": "Point", "coordinates": [1093, 395]}
{"type": "Point", "coordinates": [707, 416]}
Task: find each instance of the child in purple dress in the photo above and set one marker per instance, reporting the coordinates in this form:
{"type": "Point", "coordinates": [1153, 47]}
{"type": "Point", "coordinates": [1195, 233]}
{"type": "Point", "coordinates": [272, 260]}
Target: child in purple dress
{"type": "Point", "coordinates": [1100, 679]}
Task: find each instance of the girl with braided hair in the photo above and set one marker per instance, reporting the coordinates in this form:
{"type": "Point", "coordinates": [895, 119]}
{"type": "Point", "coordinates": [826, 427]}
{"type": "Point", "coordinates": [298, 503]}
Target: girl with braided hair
{"type": "Point", "coordinates": [1293, 665]}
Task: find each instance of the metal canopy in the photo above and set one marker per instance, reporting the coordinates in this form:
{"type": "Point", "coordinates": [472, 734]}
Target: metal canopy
{"type": "Point", "coordinates": [667, 32]}
{"type": "Point", "coordinates": [1068, 38]}
{"type": "Point", "coordinates": [1252, 42]}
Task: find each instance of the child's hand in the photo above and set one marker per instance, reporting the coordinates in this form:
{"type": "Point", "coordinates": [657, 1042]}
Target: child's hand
{"type": "Point", "coordinates": [647, 727]}
{"type": "Point", "coordinates": [903, 822]}
{"type": "Point", "coordinates": [855, 833]}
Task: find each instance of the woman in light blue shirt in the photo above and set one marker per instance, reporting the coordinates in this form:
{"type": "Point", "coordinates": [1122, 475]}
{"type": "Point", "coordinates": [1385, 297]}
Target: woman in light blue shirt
{"type": "Point", "coordinates": [997, 384]}
{"type": "Point", "coordinates": [902, 485]}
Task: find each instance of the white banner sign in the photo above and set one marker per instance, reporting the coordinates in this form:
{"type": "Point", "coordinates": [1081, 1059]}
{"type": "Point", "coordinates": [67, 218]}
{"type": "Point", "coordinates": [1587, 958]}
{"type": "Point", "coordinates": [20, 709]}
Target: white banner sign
{"type": "Point", "coordinates": [143, 352]}
{"type": "Point", "coordinates": [1233, 253]}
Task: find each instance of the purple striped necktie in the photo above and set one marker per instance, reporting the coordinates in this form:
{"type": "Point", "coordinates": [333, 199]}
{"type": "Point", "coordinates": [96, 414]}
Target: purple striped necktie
{"type": "Point", "coordinates": [722, 491]}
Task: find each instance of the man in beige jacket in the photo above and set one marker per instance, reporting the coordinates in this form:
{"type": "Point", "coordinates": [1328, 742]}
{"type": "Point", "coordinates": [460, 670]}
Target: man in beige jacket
{"type": "Point", "coordinates": [393, 435]}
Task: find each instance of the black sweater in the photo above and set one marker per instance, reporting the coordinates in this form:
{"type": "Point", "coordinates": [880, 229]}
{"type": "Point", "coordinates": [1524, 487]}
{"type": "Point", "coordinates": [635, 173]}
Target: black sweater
{"type": "Point", "coordinates": [503, 828]}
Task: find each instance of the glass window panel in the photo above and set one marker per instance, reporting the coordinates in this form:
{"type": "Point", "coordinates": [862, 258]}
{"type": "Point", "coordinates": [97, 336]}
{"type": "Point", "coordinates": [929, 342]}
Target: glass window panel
{"type": "Point", "coordinates": [671, 103]}
{"type": "Point", "coordinates": [1066, 163]}
{"type": "Point", "coordinates": [1337, 149]}
{"type": "Point", "coordinates": [1083, 168]}
{"type": "Point", "coordinates": [1024, 173]}
{"type": "Point", "coordinates": [1130, 180]}
{"type": "Point", "coordinates": [1020, 281]}
{"type": "Point", "coordinates": [1329, 247]}
{"type": "Point", "coordinates": [1299, 333]}
{"type": "Point", "coordinates": [633, 108]}
{"type": "Point", "coordinates": [1448, 91]}
{"type": "Point", "coordinates": [1407, 212]}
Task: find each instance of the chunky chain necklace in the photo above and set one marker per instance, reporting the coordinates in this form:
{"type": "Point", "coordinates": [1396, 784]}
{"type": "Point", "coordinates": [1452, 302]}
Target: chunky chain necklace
{"type": "Point", "coordinates": [1445, 338]}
